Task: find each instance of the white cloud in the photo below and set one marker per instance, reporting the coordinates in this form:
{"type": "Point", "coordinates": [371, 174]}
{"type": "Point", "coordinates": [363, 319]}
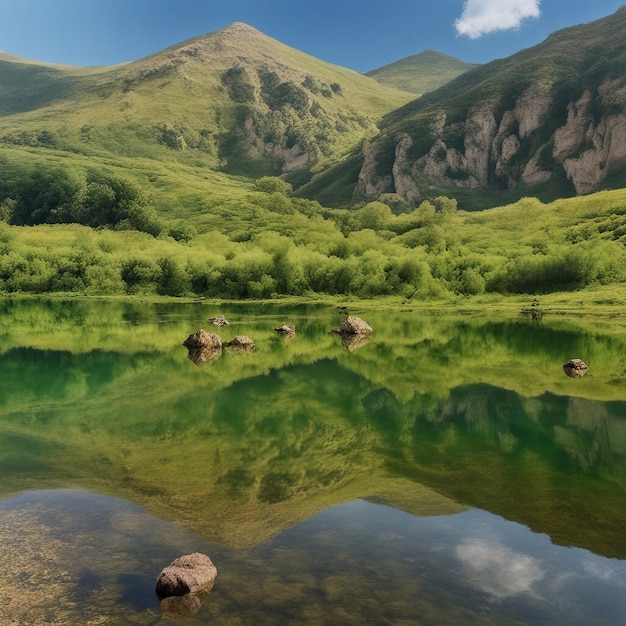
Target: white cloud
{"type": "Point", "coordinates": [486, 16]}
{"type": "Point", "coordinates": [498, 570]}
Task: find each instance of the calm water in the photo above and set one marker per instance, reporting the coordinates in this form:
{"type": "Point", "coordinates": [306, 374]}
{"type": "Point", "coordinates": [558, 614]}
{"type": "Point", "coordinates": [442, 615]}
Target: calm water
{"type": "Point", "coordinates": [445, 471]}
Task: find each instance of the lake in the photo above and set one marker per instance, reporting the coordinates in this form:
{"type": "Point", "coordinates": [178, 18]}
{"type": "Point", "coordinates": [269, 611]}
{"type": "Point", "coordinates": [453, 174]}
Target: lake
{"type": "Point", "coordinates": [444, 470]}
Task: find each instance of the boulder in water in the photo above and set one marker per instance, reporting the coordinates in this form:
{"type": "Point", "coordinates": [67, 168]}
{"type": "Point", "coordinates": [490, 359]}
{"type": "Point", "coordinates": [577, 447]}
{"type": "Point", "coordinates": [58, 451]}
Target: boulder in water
{"type": "Point", "coordinates": [191, 573]}
{"type": "Point", "coordinates": [575, 368]}
{"type": "Point", "coordinates": [353, 325]}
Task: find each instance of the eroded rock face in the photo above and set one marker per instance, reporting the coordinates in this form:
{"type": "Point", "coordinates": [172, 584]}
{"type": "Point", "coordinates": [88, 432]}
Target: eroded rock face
{"type": "Point", "coordinates": [589, 150]}
{"type": "Point", "coordinates": [575, 368]}
{"type": "Point", "coordinates": [370, 185]}
{"type": "Point", "coordinates": [292, 158]}
{"type": "Point", "coordinates": [353, 325]}
{"type": "Point", "coordinates": [532, 110]}
{"type": "Point", "coordinates": [191, 573]}
{"type": "Point", "coordinates": [511, 147]}
{"type": "Point", "coordinates": [403, 176]}
{"type": "Point", "coordinates": [480, 130]}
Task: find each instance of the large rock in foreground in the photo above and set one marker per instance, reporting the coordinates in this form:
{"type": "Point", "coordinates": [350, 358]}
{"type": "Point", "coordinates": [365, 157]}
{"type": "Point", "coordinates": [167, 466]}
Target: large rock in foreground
{"type": "Point", "coordinates": [203, 340]}
{"type": "Point", "coordinates": [191, 573]}
{"type": "Point", "coordinates": [353, 325]}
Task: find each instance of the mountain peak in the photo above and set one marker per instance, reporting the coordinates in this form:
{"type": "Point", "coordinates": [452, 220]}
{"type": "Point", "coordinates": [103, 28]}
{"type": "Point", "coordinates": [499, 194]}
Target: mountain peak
{"type": "Point", "coordinates": [240, 28]}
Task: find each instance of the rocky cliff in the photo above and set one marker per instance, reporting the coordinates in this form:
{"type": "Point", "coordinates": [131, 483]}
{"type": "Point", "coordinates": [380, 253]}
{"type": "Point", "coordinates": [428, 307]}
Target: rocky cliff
{"type": "Point", "coordinates": [508, 149]}
{"type": "Point", "coordinates": [550, 116]}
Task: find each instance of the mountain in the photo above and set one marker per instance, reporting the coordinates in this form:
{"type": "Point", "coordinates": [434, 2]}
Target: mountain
{"type": "Point", "coordinates": [234, 100]}
{"type": "Point", "coordinates": [549, 121]}
{"type": "Point", "coordinates": [421, 72]}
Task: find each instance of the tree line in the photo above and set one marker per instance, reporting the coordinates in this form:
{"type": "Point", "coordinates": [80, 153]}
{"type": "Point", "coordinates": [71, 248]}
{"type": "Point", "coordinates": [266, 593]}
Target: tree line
{"type": "Point", "coordinates": [98, 234]}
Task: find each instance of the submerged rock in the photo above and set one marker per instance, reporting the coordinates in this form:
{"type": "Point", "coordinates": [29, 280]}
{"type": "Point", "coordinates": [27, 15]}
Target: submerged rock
{"type": "Point", "coordinates": [241, 342]}
{"type": "Point", "coordinates": [575, 368]}
{"type": "Point", "coordinates": [353, 325]}
{"type": "Point", "coordinates": [191, 573]}
{"type": "Point", "coordinates": [204, 340]}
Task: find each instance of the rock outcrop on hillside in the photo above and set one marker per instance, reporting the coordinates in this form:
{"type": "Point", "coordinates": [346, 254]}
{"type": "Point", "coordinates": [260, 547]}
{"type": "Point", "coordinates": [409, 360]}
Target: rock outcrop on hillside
{"type": "Point", "coordinates": [550, 116]}
{"type": "Point", "coordinates": [507, 149]}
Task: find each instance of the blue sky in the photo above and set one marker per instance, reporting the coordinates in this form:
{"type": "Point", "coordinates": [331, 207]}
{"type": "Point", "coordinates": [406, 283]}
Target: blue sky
{"type": "Point", "coordinates": [359, 34]}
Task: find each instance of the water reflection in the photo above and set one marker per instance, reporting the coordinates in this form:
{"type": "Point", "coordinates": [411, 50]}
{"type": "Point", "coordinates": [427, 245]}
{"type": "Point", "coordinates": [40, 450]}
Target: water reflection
{"type": "Point", "coordinates": [76, 557]}
{"type": "Point", "coordinates": [200, 356]}
{"type": "Point", "coordinates": [427, 418]}
{"type": "Point", "coordinates": [497, 570]}
{"type": "Point", "coordinates": [353, 342]}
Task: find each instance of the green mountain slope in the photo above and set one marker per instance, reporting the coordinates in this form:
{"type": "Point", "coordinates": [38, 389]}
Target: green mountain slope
{"type": "Point", "coordinates": [548, 121]}
{"type": "Point", "coordinates": [421, 72]}
{"type": "Point", "coordinates": [235, 100]}
{"type": "Point", "coordinates": [27, 85]}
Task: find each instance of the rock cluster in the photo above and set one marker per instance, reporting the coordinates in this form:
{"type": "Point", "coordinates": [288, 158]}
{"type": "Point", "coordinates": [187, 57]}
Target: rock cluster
{"type": "Point", "coordinates": [204, 346]}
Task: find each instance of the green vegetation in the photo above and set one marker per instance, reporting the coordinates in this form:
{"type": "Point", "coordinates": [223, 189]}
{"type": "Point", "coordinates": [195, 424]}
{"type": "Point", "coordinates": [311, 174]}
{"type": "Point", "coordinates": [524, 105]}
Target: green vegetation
{"type": "Point", "coordinates": [421, 72]}
{"type": "Point", "coordinates": [101, 233]}
{"type": "Point", "coordinates": [54, 197]}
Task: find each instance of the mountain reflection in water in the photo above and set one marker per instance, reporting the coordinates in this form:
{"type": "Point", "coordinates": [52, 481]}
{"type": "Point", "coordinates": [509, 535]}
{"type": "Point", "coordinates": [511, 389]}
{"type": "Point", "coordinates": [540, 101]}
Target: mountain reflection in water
{"type": "Point", "coordinates": [327, 485]}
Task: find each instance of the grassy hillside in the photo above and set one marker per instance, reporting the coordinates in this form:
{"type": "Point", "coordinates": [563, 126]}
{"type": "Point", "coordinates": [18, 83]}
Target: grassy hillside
{"type": "Point", "coordinates": [234, 100]}
{"type": "Point", "coordinates": [421, 72]}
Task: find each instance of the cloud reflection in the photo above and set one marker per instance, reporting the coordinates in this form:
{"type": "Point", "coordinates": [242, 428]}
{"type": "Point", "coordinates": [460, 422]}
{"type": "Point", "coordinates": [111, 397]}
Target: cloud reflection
{"type": "Point", "coordinates": [498, 570]}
